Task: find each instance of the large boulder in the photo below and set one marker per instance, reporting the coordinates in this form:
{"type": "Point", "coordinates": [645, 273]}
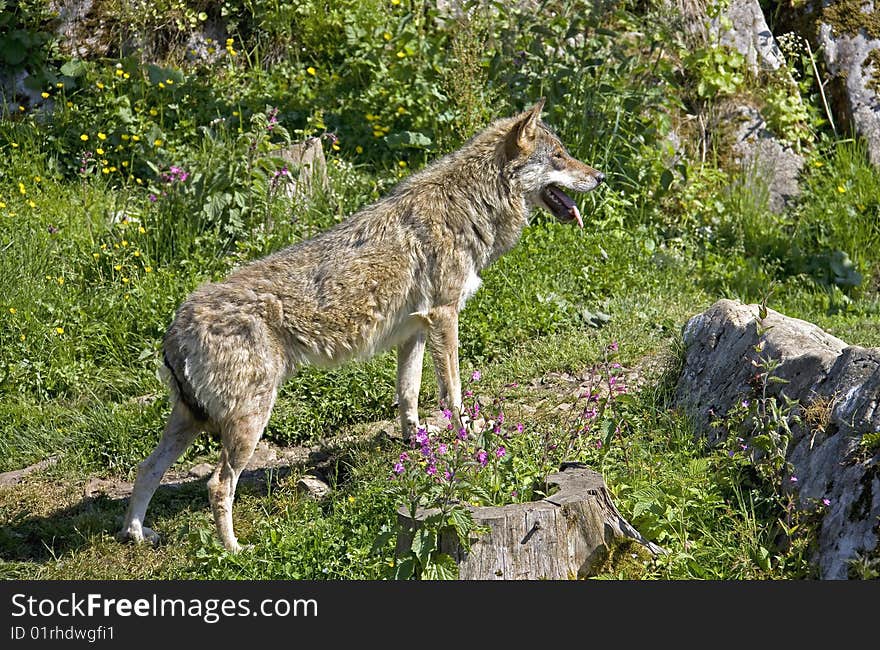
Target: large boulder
{"type": "Point", "coordinates": [837, 388]}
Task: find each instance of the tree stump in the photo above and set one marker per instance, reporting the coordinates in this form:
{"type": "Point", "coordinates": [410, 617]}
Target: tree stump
{"type": "Point", "coordinates": [565, 535]}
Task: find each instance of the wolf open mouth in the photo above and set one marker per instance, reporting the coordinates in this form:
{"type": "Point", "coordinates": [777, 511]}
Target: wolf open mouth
{"type": "Point", "coordinates": [561, 205]}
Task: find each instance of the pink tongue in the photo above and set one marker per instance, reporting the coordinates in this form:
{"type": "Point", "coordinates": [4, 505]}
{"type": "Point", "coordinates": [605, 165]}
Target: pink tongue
{"type": "Point", "coordinates": [573, 211]}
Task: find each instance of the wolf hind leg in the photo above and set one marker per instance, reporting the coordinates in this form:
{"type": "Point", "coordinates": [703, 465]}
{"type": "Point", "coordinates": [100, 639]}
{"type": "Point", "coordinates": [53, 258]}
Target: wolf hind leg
{"type": "Point", "coordinates": [180, 431]}
{"type": "Point", "coordinates": [240, 436]}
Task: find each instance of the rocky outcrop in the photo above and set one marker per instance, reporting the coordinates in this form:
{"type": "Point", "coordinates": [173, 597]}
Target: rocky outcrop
{"type": "Point", "coordinates": [837, 388]}
{"type": "Point", "coordinates": [848, 32]}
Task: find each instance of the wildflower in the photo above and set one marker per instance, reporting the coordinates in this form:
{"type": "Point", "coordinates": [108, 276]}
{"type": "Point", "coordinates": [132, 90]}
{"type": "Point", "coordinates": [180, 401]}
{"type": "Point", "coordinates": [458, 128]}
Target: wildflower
{"type": "Point", "coordinates": [401, 110]}
{"type": "Point", "coordinates": [161, 85]}
{"type": "Point", "coordinates": [59, 330]}
{"type": "Point", "coordinates": [401, 163]}
{"type": "Point", "coordinates": [462, 434]}
{"type": "Point", "coordinates": [793, 479]}
{"type": "Point", "coordinates": [448, 475]}
{"type": "Point", "coordinates": [44, 95]}
{"type": "Point", "coordinates": [142, 230]}
{"type": "Point", "coordinates": [395, 2]}
{"type": "Point", "coordinates": [476, 375]}
{"type": "Point", "coordinates": [21, 189]}
{"type": "Point", "coordinates": [359, 149]}
{"type": "Point", "coordinates": [421, 436]}
{"type": "Point", "coordinates": [401, 54]}
{"type": "Point", "coordinates": [100, 152]}
{"type": "Point", "coordinates": [100, 85]}
{"type": "Point", "coordinates": [84, 137]}
{"type": "Point", "coordinates": [499, 453]}
{"type": "Point", "coordinates": [312, 71]}
{"type": "Point", "coordinates": [14, 145]}
{"type": "Point", "coordinates": [826, 502]}
{"type": "Point", "coordinates": [519, 427]}
{"type": "Point", "coordinates": [124, 280]}
{"type": "Point", "coordinates": [60, 281]}
{"type": "Point", "coordinates": [403, 457]}
{"type": "Point", "coordinates": [12, 310]}
{"type": "Point", "coordinates": [96, 255]}
{"type": "Point", "coordinates": [350, 499]}
{"type": "Point", "coordinates": [841, 189]}
{"type": "Point", "coordinates": [137, 253]}
{"type": "Point", "coordinates": [102, 136]}
{"type": "Point", "coordinates": [482, 458]}
{"type": "Point", "coordinates": [613, 346]}
{"type": "Point", "coordinates": [148, 269]}
{"type": "Point", "coordinates": [442, 448]}
{"type": "Point", "coordinates": [157, 142]}
{"type": "Point", "coordinates": [745, 403]}
{"type": "Point", "coordinates": [431, 470]}
{"type": "Point", "coordinates": [118, 267]}
{"type": "Point", "coordinates": [59, 85]}
{"type": "Point", "coordinates": [125, 75]}
{"type": "Point", "coordinates": [135, 138]}
{"type": "Point", "coordinates": [106, 170]}
{"type": "Point", "coordinates": [398, 468]}
{"type": "Point", "coordinates": [387, 36]}
{"type": "Point", "coordinates": [153, 198]}
{"type": "Point", "coordinates": [170, 82]}
{"type": "Point", "coordinates": [2, 204]}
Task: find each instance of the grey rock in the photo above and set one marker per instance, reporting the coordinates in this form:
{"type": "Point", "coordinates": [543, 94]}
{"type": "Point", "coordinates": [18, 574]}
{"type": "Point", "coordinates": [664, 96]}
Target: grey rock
{"type": "Point", "coordinates": [822, 373]}
{"type": "Point", "coordinates": [847, 58]}
{"type": "Point", "coordinates": [314, 487]}
{"type": "Point", "coordinates": [748, 33]}
{"type": "Point", "coordinates": [202, 470]}
{"type": "Point", "coordinates": [771, 167]}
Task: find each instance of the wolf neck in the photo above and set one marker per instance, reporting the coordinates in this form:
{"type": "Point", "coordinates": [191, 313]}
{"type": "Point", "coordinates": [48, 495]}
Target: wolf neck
{"type": "Point", "coordinates": [483, 209]}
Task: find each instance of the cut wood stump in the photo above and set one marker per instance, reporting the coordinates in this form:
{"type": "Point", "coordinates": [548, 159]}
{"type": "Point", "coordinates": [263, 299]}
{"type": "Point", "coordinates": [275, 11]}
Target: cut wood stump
{"type": "Point", "coordinates": [565, 535]}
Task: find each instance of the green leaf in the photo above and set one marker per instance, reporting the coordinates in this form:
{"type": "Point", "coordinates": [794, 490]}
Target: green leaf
{"type": "Point", "coordinates": [74, 68]}
{"type": "Point", "coordinates": [442, 567]}
{"type": "Point", "coordinates": [408, 139]}
{"type": "Point", "coordinates": [423, 544]}
{"type": "Point", "coordinates": [405, 568]}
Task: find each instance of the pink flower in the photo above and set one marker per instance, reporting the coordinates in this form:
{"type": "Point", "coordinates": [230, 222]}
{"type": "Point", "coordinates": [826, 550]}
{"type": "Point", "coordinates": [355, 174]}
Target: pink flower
{"type": "Point", "coordinates": [398, 468]}
{"type": "Point", "coordinates": [793, 479]}
{"type": "Point", "coordinates": [431, 470]}
{"type": "Point", "coordinates": [826, 502]}
{"type": "Point", "coordinates": [500, 452]}
{"type": "Point", "coordinates": [476, 375]}
{"type": "Point", "coordinates": [483, 458]}
{"type": "Point", "coordinates": [519, 427]}
{"type": "Point", "coordinates": [442, 448]}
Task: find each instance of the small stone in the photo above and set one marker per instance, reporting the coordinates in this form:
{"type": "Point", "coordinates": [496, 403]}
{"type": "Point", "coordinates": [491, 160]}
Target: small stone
{"type": "Point", "coordinates": [202, 470]}
{"type": "Point", "coordinates": [313, 487]}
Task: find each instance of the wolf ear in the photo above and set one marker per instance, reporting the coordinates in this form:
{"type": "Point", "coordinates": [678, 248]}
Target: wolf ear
{"type": "Point", "coordinates": [525, 129]}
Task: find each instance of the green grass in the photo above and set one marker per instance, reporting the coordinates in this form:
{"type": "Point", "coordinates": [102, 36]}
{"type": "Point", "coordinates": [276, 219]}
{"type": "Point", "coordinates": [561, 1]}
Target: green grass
{"type": "Point", "coordinates": [92, 269]}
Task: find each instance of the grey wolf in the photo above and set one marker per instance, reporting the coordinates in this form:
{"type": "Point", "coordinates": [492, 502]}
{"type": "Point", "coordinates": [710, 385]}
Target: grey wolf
{"type": "Point", "coordinates": [395, 274]}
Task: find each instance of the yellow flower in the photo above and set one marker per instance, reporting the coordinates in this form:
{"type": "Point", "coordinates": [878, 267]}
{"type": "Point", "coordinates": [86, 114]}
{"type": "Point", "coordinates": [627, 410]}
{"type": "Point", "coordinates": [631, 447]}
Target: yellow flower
{"type": "Point", "coordinates": [386, 36]}
{"type": "Point", "coordinates": [124, 243]}
{"type": "Point", "coordinates": [126, 75]}
{"type": "Point", "coordinates": [32, 204]}
{"type": "Point", "coordinates": [124, 136]}
{"type": "Point", "coordinates": [60, 280]}
{"type": "Point", "coordinates": [125, 163]}
{"type": "Point", "coordinates": [335, 146]}
{"type": "Point", "coordinates": [154, 112]}
{"type": "Point", "coordinates": [59, 330]}
{"type": "Point", "coordinates": [142, 230]}
{"type": "Point", "coordinates": [21, 337]}
{"type": "Point", "coordinates": [69, 104]}
{"type": "Point", "coordinates": [99, 151]}
{"type": "Point", "coordinates": [102, 136]}
{"type": "Point", "coordinates": [377, 134]}
{"type": "Point", "coordinates": [138, 181]}
{"type": "Point", "coordinates": [37, 179]}
{"type": "Point", "coordinates": [106, 170]}
{"type": "Point", "coordinates": [234, 113]}
{"type": "Point", "coordinates": [157, 143]}
{"type": "Point", "coordinates": [148, 269]}
{"type": "Point", "coordinates": [118, 73]}
{"type": "Point", "coordinates": [359, 149]}
{"type": "Point", "coordinates": [170, 82]}
{"type": "Point", "coordinates": [84, 137]}
{"type": "Point", "coordinates": [96, 255]}
{"type": "Point", "coordinates": [100, 86]}
{"type": "Point", "coordinates": [124, 280]}
{"type": "Point", "coordinates": [118, 267]}
{"type": "Point", "coordinates": [12, 310]}
{"type": "Point", "coordinates": [21, 189]}
{"type": "Point", "coordinates": [161, 85]}
{"type": "Point", "coordinates": [14, 145]}
{"type": "Point", "coordinates": [841, 189]}
{"type": "Point", "coordinates": [59, 85]}
{"type": "Point", "coordinates": [350, 497]}
{"type": "Point", "coordinates": [113, 169]}
{"type": "Point", "coordinates": [312, 71]}
{"type": "Point", "coordinates": [44, 95]}
{"type": "Point", "coordinates": [2, 204]}
{"type": "Point", "coordinates": [395, 2]}
{"type": "Point", "coordinates": [137, 253]}
{"type": "Point", "coordinates": [230, 41]}
{"type": "Point", "coordinates": [103, 247]}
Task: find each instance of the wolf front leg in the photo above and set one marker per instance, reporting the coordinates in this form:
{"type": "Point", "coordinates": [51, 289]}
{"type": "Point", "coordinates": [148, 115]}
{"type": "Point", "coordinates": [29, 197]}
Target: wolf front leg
{"type": "Point", "coordinates": [409, 378]}
{"type": "Point", "coordinates": [443, 337]}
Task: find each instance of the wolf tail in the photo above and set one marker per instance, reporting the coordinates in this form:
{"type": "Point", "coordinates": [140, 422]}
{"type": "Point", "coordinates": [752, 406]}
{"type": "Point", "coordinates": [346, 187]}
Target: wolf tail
{"type": "Point", "coordinates": [184, 392]}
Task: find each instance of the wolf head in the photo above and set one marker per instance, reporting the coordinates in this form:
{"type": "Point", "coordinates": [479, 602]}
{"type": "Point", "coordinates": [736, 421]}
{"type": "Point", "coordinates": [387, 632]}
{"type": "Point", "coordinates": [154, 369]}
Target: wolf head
{"type": "Point", "coordinates": [543, 168]}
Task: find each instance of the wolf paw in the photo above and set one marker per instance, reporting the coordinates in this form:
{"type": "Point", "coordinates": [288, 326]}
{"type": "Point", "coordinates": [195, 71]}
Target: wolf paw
{"type": "Point", "coordinates": [145, 534]}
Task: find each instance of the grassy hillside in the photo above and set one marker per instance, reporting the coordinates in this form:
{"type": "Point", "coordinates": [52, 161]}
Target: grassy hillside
{"type": "Point", "coordinates": [148, 170]}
